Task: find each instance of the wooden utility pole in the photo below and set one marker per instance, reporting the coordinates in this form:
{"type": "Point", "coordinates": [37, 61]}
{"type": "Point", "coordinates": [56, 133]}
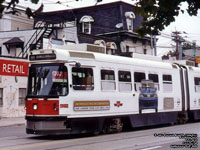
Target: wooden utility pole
{"type": "Point", "coordinates": [178, 40]}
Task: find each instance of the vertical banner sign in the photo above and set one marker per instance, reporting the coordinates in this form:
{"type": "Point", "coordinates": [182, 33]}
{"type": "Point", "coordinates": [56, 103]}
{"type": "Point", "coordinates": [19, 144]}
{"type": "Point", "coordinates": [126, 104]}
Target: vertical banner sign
{"type": "Point", "coordinates": [13, 68]}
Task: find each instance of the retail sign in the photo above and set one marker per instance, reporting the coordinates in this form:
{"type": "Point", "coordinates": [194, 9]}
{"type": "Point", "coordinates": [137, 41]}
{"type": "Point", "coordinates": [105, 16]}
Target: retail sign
{"type": "Point", "coordinates": [13, 68]}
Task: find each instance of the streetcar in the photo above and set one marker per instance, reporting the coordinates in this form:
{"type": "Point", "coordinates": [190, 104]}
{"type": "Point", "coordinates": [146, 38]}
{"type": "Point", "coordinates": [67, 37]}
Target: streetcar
{"type": "Point", "coordinates": [73, 91]}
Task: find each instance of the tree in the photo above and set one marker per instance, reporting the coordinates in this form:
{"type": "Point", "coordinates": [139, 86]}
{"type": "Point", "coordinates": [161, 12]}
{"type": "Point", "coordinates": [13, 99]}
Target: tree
{"type": "Point", "coordinates": [157, 14]}
{"type": "Point", "coordinates": [13, 3]}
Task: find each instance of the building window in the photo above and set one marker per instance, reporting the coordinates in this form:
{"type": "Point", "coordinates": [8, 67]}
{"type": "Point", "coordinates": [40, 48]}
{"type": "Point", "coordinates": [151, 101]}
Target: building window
{"type": "Point", "coordinates": [167, 83]}
{"type": "Point", "coordinates": [138, 77]}
{"type": "Point", "coordinates": [1, 96]}
{"type": "Point", "coordinates": [86, 24]}
{"type": "Point", "coordinates": [0, 50]}
{"type": "Point", "coordinates": [108, 80]}
{"type": "Point", "coordinates": [154, 78]}
{"type": "Point", "coordinates": [197, 84]}
{"type": "Point", "coordinates": [127, 49]}
{"type": "Point", "coordinates": [145, 51]}
{"type": "Point", "coordinates": [82, 78]}
{"type": "Point", "coordinates": [22, 96]}
{"type": "Point", "coordinates": [129, 20]}
{"type": "Point", "coordinates": [124, 81]}
{"type": "Point", "coordinates": [86, 27]}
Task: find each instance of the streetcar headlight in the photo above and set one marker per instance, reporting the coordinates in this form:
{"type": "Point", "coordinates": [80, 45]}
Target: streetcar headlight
{"type": "Point", "coordinates": [55, 107]}
{"type": "Point", "coordinates": [35, 106]}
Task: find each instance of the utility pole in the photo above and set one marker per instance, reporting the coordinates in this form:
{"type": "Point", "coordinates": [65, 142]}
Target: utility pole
{"type": "Point", "coordinates": [153, 44]}
{"type": "Point", "coordinates": [179, 40]}
{"type": "Point", "coordinates": [194, 48]}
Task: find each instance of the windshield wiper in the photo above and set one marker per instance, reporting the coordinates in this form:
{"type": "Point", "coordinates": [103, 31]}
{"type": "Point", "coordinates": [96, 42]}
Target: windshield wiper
{"type": "Point", "coordinates": [37, 85]}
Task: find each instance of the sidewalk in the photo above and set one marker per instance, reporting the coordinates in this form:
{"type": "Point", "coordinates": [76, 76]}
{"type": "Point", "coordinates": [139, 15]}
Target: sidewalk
{"type": "Point", "coordinates": [12, 121]}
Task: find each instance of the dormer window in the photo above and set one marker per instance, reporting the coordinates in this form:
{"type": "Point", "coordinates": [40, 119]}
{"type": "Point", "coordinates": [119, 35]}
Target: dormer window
{"type": "Point", "coordinates": [129, 20]}
{"type": "Point", "coordinates": [86, 24]}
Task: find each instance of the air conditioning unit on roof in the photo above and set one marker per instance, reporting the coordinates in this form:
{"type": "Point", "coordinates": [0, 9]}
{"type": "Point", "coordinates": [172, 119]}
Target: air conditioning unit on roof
{"type": "Point", "coordinates": [87, 47]}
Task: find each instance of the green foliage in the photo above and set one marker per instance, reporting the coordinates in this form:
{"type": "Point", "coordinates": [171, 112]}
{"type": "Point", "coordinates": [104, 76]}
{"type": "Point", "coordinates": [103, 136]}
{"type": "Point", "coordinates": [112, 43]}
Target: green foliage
{"type": "Point", "coordinates": [13, 3]}
{"type": "Point", "coordinates": [158, 14]}
{"type": "Point", "coordinates": [1, 7]}
{"type": "Point", "coordinates": [35, 1]}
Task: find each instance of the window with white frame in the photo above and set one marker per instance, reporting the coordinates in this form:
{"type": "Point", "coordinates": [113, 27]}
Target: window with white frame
{"type": "Point", "coordinates": [82, 78]}
{"type": "Point", "coordinates": [138, 77]}
{"type": "Point", "coordinates": [86, 24]}
{"type": "Point", "coordinates": [154, 78]}
{"type": "Point", "coordinates": [129, 20]}
{"type": "Point", "coordinates": [1, 96]}
{"type": "Point", "coordinates": [108, 80]}
{"type": "Point", "coordinates": [167, 83]}
{"type": "Point", "coordinates": [86, 27]}
{"type": "Point", "coordinates": [22, 96]}
{"type": "Point", "coordinates": [197, 84]}
{"type": "Point", "coordinates": [125, 84]}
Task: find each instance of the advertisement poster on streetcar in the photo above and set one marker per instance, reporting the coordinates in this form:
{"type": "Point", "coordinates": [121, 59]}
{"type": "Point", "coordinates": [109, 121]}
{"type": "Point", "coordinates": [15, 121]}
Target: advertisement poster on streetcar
{"type": "Point", "coordinates": [59, 76]}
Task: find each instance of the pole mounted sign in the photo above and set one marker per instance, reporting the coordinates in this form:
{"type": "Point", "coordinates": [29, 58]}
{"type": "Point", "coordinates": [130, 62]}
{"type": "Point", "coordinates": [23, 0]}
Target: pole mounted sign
{"type": "Point", "coordinates": [13, 68]}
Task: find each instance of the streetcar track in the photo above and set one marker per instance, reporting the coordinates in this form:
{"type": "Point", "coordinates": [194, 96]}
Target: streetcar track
{"type": "Point", "coordinates": [141, 133]}
{"type": "Point", "coordinates": [75, 145]}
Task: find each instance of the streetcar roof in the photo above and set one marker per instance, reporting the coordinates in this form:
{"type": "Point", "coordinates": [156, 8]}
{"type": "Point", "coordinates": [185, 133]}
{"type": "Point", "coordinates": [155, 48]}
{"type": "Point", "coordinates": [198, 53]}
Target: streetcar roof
{"type": "Point", "coordinates": [69, 55]}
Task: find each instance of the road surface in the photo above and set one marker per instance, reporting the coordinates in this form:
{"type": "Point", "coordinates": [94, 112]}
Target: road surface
{"type": "Point", "coordinates": [156, 138]}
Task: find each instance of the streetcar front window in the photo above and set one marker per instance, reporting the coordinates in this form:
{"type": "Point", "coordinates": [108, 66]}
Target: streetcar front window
{"type": "Point", "coordinates": [48, 80]}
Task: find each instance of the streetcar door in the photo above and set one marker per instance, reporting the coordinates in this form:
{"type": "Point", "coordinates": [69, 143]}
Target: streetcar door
{"type": "Point", "coordinates": [184, 88]}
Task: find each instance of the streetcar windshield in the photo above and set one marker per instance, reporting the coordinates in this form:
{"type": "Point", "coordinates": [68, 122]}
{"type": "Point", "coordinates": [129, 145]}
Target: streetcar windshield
{"type": "Point", "coordinates": [48, 80]}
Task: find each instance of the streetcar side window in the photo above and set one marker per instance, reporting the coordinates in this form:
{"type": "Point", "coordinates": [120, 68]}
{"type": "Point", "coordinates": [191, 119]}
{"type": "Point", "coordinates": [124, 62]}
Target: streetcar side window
{"type": "Point", "coordinates": [124, 81]}
{"type": "Point", "coordinates": [154, 78]}
{"type": "Point", "coordinates": [108, 80]}
{"type": "Point", "coordinates": [197, 84]}
{"type": "Point", "coordinates": [167, 83]}
{"type": "Point", "coordinates": [138, 77]}
{"type": "Point", "coordinates": [82, 78]}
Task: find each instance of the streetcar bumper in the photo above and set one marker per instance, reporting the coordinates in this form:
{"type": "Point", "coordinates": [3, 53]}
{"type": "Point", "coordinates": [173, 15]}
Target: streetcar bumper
{"type": "Point", "coordinates": [47, 126]}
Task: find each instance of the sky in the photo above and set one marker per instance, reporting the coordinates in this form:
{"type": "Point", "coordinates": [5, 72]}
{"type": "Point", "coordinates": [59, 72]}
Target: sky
{"type": "Point", "coordinates": [184, 23]}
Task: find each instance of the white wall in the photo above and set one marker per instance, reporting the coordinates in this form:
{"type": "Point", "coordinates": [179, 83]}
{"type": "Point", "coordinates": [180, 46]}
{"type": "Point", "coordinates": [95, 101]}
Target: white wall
{"type": "Point", "coordinates": [5, 36]}
{"type": "Point", "coordinates": [136, 47]}
{"type": "Point", "coordinates": [20, 21]}
{"type": "Point", "coordinates": [10, 85]}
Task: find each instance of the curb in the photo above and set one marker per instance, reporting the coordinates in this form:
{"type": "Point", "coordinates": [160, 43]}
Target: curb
{"type": "Point", "coordinates": [18, 124]}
